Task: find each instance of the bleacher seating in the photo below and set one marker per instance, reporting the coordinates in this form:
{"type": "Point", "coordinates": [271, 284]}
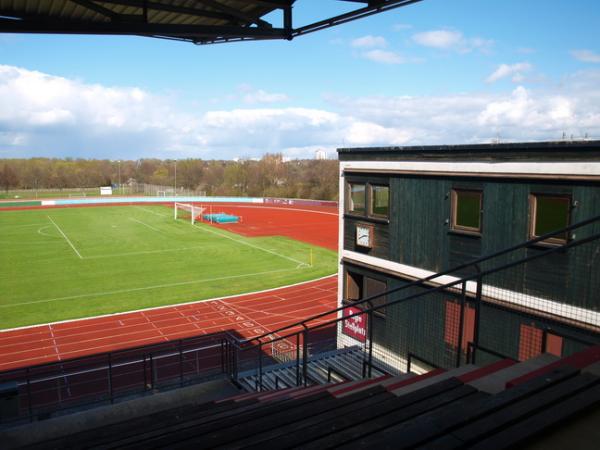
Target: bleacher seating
{"type": "Point", "coordinates": [458, 408]}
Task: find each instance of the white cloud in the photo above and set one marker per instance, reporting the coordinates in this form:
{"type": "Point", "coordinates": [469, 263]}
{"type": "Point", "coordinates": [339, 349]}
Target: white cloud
{"type": "Point", "coordinates": [515, 71]}
{"type": "Point", "coordinates": [402, 27]}
{"type": "Point", "coordinates": [587, 56]}
{"type": "Point", "coordinates": [45, 115]}
{"type": "Point", "coordinates": [452, 40]}
{"type": "Point", "coordinates": [384, 56]}
{"type": "Point", "coordinates": [369, 42]}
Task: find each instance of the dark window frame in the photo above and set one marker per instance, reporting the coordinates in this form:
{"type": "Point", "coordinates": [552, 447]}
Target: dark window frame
{"type": "Point", "coordinates": [454, 212]}
{"type": "Point", "coordinates": [349, 198]}
{"type": "Point", "coordinates": [362, 290]}
{"type": "Point", "coordinates": [533, 198]}
{"type": "Point", "coordinates": [372, 201]}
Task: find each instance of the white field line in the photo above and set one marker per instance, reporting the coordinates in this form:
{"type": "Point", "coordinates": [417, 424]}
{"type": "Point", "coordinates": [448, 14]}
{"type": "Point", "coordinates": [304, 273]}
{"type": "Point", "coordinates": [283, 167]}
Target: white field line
{"type": "Point", "coordinates": [65, 236]}
{"type": "Point", "coordinates": [145, 224]}
{"type": "Point", "coordinates": [174, 305]}
{"type": "Point", "coordinates": [152, 212]}
{"type": "Point", "coordinates": [208, 230]}
{"type": "Point", "coordinates": [145, 252]}
{"type": "Point", "coordinates": [40, 232]}
{"type": "Point", "coordinates": [21, 226]}
{"type": "Point", "coordinates": [146, 288]}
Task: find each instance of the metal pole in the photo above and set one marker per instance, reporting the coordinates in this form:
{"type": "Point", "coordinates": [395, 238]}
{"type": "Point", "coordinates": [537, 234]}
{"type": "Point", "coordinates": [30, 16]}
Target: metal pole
{"type": "Point", "coordinates": [120, 188]}
{"type": "Point", "coordinates": [151, 371]}
{"type": "Point", "coordinates": [463, 295]}
{"type": "Point", "coordinates": [29, 402]}
{"type": "Point", "coordinates": [260, 383]}
{"type": "Point", "coordinates": [305, 355]}
{"type": "Point", "coordinates": [110, 385]}
{"type": "Point", "coordinates": [180, 362]}
{"type": "Point", "coordinates": [477, 316]}
{"type": "Point", "coordinates": [371, 326]}
{"type": "Point", "coordinates": [145, 375]}
{"type": "Point", "coordinates": [297, 359]}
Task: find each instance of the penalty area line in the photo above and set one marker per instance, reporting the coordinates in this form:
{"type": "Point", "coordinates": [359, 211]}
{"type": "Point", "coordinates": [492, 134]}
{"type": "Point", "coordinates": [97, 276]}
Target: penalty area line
{"type": "Point", "coordinates": [145, 288]}
{"type": "Point", "coordinates": [152, 212]}
{"type": "Point", "coordinates": [65, 236]}
{"type": "Point", "coordinates": [145, 224]}
{"type": "Point", "coordinates": [208, 230]}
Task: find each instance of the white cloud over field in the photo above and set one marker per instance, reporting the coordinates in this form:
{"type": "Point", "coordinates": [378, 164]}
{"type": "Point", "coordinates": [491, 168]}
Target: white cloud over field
{"type": "Point", "coordinates": [42, 114]}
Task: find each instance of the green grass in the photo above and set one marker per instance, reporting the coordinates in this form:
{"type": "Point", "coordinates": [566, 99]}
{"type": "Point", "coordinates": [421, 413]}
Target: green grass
{"type": "Point", "coordinates": [59, 264]}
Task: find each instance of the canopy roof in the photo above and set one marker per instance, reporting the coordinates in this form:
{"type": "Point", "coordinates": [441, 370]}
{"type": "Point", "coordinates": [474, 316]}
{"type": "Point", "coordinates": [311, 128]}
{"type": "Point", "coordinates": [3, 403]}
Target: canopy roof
{"type": "Point", "coordinates": [198, 21]}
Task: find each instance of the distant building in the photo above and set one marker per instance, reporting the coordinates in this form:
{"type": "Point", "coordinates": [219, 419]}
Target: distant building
{"type": "Point", "coordinates": [411, 212]}
{"type": "Point", "coordinates": [320, 154]}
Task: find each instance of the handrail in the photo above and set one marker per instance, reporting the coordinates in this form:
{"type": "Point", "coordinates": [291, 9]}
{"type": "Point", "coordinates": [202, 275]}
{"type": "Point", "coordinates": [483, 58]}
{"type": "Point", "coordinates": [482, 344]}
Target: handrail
{"type": "Point", "coordinates": [422, 281]}
{"type": "Point", "coordinates": [438, 288]}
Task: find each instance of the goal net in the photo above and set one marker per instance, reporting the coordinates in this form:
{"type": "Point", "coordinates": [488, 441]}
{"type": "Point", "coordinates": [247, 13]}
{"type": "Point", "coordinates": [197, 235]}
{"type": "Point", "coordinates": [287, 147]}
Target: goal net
{"type": "Point", "coordinates": [187, 211]}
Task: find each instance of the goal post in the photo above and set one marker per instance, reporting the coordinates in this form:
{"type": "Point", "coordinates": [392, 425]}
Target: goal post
{"type": "Point", "coordinates": [187, 211]}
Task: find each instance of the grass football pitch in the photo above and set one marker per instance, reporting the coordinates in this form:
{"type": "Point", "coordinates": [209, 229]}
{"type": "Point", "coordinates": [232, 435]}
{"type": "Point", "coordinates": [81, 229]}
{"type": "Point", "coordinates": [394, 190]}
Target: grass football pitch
{"type": "Point", "coordinates": [58, 264]}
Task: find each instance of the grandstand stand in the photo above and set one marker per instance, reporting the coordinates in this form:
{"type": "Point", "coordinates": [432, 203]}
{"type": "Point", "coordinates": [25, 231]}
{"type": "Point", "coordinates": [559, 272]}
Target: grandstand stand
{"type": "Point", "coordinates": [502, 405]}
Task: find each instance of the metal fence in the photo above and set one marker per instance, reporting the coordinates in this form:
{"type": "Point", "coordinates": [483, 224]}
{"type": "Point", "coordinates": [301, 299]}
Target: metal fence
{"type": "Point", "coordinates": [490, 308]}
{"type": "Point", "coordinates": [156, 190]}
{"type": "Point", "coordinates": [108, 377]}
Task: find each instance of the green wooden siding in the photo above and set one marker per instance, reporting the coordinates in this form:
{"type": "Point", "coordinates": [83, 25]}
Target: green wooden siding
{"type": "Point", "coordinates": [419, 235]}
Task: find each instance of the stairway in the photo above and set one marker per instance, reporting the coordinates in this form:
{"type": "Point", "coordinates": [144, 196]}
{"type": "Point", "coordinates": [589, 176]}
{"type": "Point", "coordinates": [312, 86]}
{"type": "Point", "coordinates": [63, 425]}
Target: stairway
{"type": "Point", "coordinates": [332, 366]}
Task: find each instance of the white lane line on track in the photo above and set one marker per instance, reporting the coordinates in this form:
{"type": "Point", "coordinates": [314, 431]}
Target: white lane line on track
{"type": "Point", "coordinates": [159, 286]}
{"type": "Point", "coordinates": [145, 224]}
{"type": "Point", "coordinates": [239, 241]}
{"type": "Point", "coordinates": [88, 321]}
{"type": "Point", "coordinates": [65, 236]}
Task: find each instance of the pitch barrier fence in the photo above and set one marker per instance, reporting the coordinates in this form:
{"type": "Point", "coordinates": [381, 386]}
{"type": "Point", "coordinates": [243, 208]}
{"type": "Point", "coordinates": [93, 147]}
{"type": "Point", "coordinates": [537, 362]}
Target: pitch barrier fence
{"type": "Point", "coordinates": [491, 308]}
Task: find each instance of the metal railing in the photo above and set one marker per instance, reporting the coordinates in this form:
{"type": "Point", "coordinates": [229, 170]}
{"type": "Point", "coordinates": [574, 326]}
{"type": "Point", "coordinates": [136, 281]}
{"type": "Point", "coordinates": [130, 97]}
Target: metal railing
{"type": "Point", "coordinates": [481, 290]}
{"type": "Point", "coordinates": [46, 389]}
{"type": "Point", "coordinates": [108, 377]}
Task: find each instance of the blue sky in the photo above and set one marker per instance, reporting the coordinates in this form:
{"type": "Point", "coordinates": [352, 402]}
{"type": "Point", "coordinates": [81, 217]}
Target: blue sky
{"type": "Point", "coordinates": [436, 72]}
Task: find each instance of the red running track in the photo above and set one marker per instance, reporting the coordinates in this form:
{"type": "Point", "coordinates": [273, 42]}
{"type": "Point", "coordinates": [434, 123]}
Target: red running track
{"type": "Point", "coordinates": [248, 315]}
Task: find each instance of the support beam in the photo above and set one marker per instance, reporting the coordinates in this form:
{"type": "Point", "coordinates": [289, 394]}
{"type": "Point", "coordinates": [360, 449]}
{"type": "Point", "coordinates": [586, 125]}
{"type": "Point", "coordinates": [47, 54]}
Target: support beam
{"type": "Point", "coordinates": [171, 8]}
{"type": "Point", "coordinates": [97, 8]}
{"type": "Point", "coordinates": [235, 12]}
{"type": "Point", "coordinates": [383, 5]}
{"type": "Point", "coordinates": [41, 25]}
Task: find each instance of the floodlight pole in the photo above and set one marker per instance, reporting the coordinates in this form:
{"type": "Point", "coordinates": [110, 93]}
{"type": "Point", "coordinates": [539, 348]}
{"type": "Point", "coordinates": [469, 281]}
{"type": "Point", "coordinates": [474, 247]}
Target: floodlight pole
{"type": "Point", "coordinates": [119, 165]}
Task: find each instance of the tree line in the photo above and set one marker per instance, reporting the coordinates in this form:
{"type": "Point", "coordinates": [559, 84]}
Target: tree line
{"type": "Point", "coordinates": [271, 176]}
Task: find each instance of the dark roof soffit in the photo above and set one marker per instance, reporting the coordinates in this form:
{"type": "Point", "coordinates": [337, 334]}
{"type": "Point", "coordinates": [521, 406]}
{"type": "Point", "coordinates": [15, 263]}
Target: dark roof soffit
{"type": "Point", "coordinates": [198, 21]}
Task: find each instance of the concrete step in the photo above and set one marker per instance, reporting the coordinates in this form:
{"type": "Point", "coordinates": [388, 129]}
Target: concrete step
{"type": "Point", "coordinates": [422, 381]}
{"type": "Point", "coordinates": [496, 382]}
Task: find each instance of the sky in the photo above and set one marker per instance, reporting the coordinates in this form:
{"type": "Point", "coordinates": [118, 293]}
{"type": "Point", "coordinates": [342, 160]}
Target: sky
{"type": "Point", "coordinates": [435, 72]}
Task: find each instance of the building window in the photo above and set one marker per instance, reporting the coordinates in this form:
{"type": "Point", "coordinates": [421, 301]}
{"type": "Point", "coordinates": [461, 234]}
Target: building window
{"type": "Point", "coordinates": [554, 344]}
{"type": "Point", "coordinates": [359, 287]}
{"type": "Point", "coordinates": [380, 201]}
{"type": "Point", "coordinates": [549, 213]}
{"type": "Point", "coordinates": [374, 287]}
{"type": "Point", "coordinates": [466, 210]}
{"type": "Point", "coordinates": [354, 286]}
{"type": "Point", "coordinates": [356, 198]}
{"type": "Point", "coordinates": [452, 325]}
{"type": "Point", "coordinates": [530, 342]}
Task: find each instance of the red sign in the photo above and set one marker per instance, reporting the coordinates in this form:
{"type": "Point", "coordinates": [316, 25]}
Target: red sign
{"type": "Point", "coordinates": [355, 327]}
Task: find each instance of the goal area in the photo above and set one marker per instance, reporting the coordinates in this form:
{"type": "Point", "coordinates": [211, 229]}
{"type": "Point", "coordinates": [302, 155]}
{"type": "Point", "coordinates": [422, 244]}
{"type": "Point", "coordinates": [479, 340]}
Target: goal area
{"type": "Point", "coordinates": [187, 211]}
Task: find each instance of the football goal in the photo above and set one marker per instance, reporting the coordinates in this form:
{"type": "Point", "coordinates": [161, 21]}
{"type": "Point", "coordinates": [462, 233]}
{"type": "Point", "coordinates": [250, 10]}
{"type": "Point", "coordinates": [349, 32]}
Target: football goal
{"type": "Point", "coordinates": [187, 211]}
